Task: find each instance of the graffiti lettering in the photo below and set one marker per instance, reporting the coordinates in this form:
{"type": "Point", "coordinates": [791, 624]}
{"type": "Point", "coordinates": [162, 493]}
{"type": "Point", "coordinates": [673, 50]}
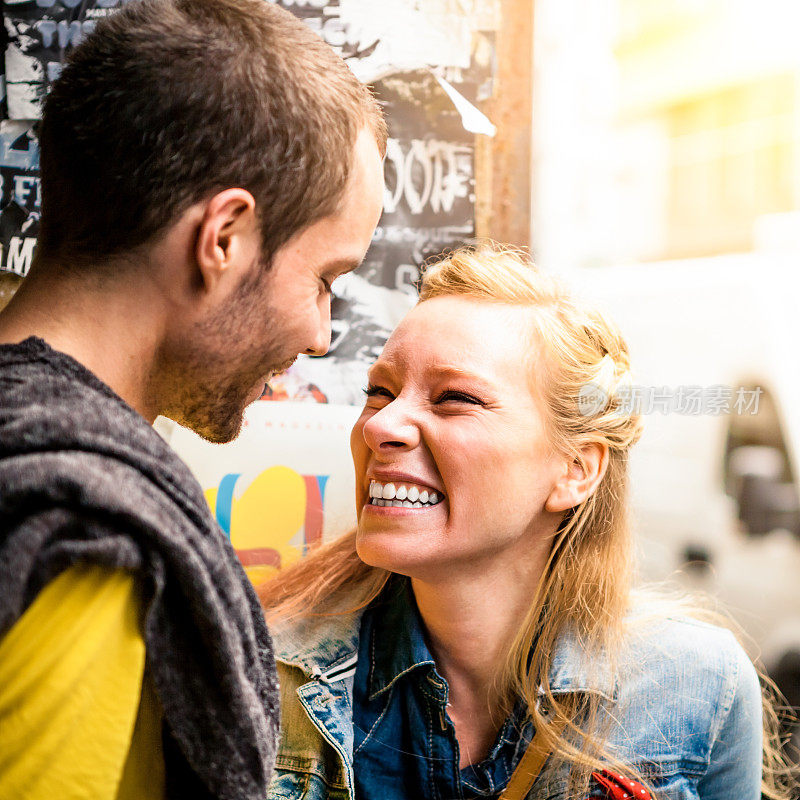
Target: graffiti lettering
{"type": "Point", "coordinates": [427, 175]}
{"type": "Point", "coordinates": [397, 234]}
{"type": "Point", "coordinates": [69, 33]}
{"type": "Point", "coordinates": [26, 187]}
{"type": "Point", "coordinates": [333, 30]}
{"type": "Point", "coordinates": [20, 255]}
{"type": "Point", "coordinates": [406, 277]}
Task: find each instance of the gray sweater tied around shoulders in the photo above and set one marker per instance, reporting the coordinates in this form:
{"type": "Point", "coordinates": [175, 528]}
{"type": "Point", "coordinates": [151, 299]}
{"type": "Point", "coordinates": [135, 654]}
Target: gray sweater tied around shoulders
{"type": "Point", "coordinates": [85, 479]}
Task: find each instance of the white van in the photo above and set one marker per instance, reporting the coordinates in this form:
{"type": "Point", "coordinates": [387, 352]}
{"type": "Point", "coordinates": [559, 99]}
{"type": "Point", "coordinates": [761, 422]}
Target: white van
{"type": "Point", "coordinates": [716, 495]}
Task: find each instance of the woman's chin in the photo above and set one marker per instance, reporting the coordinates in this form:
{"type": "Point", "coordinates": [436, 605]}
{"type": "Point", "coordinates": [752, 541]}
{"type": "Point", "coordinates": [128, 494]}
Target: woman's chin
{"type": "Point", "coordinates": [392, 552]}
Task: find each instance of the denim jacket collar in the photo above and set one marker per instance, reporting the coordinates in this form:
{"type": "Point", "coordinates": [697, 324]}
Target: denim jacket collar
{"type": "Point", "coordinates": [409, 651]}
{"type": "Point", "coordinates": [319, 646]}
{"type": "Point", "coordinates": [573, 669]}
{"type": "Point", "coordinates": [325, 648]}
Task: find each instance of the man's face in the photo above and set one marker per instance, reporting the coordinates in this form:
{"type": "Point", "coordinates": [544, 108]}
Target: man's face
{"type": "Point", "coordinates": [277, 313]}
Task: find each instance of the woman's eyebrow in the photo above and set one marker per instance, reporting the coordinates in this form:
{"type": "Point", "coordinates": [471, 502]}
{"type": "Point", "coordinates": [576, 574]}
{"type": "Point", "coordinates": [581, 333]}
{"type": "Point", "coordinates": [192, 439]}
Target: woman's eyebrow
{"type": "Point", "coordinates": [377, 367]}
{"type": "Point", "coordinates": [448, 370]}
{"type": "Point", "coordinates": [381, 368]}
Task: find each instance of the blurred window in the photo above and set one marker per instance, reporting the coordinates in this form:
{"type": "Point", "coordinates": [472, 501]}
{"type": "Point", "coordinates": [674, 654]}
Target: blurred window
{"type": "Point", "coordinates": [758, 472]}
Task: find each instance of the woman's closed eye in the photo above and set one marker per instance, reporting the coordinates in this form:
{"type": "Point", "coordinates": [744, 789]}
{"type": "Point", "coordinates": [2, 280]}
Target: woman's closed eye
{"type": "Point", "coordinates": [377, 391]}
{"type": "Point", "coordinates": [447, 396]}
{"type": "Point", "coordinates": [454, 396]}
{"type": "Point", "coordinates": [377, 396]}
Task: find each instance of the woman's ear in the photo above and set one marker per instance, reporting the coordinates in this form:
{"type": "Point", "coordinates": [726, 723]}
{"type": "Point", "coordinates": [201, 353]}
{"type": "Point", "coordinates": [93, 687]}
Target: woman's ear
{"type": "Point", "coordinates": [579, 478]}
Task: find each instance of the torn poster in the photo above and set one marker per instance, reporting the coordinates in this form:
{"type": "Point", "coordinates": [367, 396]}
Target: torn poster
{"type": "Point", "coordinates": [40, 33]}
{"type": "Point", "coordinates": [429, 197]}
{"type": "Point", "coordinates": [20, 201]}
{"type": "Point", "coordinates": [429, 206]}
{"type": "Point", "coordinates": [380, 37]}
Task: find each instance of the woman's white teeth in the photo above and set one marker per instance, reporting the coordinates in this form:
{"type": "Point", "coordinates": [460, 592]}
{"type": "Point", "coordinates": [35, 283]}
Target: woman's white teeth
{"type": "Point", "coordinates": [376, 501]}
{"type": "Point", "coordinates": [400, 495]}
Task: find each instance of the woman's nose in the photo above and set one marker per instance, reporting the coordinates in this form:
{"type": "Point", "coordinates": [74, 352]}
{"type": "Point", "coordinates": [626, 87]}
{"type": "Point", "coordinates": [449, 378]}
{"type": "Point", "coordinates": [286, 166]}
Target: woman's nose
{"type": "Point", "coordinates": [391, 428]}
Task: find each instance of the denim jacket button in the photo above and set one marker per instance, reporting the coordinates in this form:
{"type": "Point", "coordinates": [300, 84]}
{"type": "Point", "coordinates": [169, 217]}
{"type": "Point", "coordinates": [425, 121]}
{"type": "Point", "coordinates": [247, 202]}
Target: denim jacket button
{"type": "Point", "coordinates": [320, 702]}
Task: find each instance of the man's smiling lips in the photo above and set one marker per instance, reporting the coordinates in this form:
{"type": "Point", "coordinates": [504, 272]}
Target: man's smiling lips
{"type": "Point", "coordinates": [280, 369]}
{"type": "Point", "coordinates": [263, 383]}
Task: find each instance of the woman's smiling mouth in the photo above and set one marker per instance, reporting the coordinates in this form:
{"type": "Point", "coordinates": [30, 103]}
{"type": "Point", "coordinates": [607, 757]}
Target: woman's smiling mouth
{"type": "Point", "coordinates": [402, 495]}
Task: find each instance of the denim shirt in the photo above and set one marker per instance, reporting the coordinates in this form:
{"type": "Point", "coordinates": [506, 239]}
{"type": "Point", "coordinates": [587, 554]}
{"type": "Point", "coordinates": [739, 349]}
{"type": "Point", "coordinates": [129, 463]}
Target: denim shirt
{"type": "Point", "coordinates": [683, 705]}
{"type": "Point", "coordinates": [404, 742]}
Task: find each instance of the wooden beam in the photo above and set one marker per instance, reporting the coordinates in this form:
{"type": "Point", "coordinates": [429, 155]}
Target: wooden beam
{"type": "Point", "coordinates": [503, 164]}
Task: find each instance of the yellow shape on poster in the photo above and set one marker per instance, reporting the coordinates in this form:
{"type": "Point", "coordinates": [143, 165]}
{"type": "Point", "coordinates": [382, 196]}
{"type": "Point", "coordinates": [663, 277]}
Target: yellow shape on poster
{"type": "Point", "coordinates": [269, 513]}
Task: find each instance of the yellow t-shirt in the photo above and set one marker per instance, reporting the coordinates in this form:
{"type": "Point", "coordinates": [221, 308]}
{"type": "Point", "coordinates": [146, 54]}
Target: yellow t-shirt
{"type": "Point", "coordinates": [78, 716]}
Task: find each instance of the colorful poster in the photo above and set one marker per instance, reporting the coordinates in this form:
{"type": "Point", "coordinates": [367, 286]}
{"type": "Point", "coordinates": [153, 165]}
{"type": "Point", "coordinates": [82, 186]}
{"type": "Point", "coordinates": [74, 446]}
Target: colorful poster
{"type": "Point", "coordinates": [283, 486]}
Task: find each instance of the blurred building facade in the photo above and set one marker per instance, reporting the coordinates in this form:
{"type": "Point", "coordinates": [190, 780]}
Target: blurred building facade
{"type": "Point", "coordinates": [665, 129]}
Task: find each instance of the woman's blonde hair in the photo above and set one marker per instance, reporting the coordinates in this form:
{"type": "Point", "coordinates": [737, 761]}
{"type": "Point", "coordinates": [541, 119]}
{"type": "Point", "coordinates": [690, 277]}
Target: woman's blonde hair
{"type": "Point", "coordinates": [582, 375]}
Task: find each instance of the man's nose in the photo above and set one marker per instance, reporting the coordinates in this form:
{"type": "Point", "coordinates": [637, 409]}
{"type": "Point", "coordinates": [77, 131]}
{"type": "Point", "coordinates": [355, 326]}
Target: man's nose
{"type": "Point", "coordinates": [322, 337]}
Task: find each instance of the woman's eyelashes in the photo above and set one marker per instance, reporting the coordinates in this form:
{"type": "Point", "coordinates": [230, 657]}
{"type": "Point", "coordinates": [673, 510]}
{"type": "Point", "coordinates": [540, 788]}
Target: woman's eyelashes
{"type": "Point", "coordinates": [451, 395]}
{"type": "Point", "coordinates": [446, 396]}
{"type": "Point", "coordinates": [377, 391]}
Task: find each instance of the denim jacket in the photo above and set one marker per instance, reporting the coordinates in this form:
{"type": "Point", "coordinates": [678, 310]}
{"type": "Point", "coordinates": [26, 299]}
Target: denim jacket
{"type": "Point", "coordinates": [684, 706]}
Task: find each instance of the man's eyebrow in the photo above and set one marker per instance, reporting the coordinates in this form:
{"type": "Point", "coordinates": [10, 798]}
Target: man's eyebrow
{"type": "Point", "coordinates": [342, 265]}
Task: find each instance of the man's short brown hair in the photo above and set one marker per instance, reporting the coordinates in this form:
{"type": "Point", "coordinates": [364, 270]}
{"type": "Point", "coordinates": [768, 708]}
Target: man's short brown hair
{"type": "Point", "coordinates": [168, 102]}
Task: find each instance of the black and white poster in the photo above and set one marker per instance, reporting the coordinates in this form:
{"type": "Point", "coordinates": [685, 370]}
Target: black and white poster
{"type": "Point", "coordinates": [429, 208]}
{"type": "Point", "coordinates": [20, 199]}
{"type": "Point", "coordinates": [39, 34]}
{"type": "Point", "coordinates": [405, 53]}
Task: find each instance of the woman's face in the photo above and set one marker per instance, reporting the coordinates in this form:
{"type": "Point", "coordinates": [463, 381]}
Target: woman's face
{"type": "Point", "coordinates": [453, 466]}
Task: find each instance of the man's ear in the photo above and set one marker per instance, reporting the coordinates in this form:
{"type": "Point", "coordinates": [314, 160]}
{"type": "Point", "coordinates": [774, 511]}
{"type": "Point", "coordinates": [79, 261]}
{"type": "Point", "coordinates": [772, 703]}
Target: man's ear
{"type": "Point", "coordinates": [228, 238]}
{"type": "Point", "coordinates": [579, 478]}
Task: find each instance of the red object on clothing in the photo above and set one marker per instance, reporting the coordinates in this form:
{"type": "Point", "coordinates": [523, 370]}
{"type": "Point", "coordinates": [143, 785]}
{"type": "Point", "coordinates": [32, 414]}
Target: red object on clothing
{"type": "Point", "coordinates": [619, 787]}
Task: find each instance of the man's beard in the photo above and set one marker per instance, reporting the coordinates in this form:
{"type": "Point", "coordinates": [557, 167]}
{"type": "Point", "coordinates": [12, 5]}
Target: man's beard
{"type": "Point", "coordinates": [216, 411]}
{"type": "Point", "coordinates": [201, 392]}
{"type": "Point", "coordinates": [215, 414]}
{"type": "Point", "coordinates": [206, 386]}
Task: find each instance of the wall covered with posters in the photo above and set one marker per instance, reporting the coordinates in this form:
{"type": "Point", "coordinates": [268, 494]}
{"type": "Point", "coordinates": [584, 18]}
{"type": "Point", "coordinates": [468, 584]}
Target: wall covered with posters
{"type": "Point", "coordinates": [287, 481]}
